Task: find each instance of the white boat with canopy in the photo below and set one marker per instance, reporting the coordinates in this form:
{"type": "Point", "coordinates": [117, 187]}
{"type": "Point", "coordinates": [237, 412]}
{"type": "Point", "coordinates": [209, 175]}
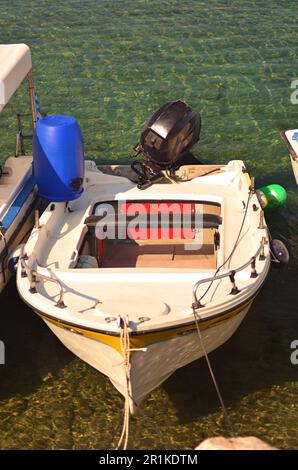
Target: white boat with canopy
{"type": "Point", "coordinates": [17, 184]}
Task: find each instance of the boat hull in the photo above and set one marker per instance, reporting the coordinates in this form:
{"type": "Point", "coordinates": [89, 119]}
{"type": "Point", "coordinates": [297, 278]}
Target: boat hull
{"type": "Point", "coordinates": [15, 235]}
{"type": "Point", "coordinates": [291, 142]}
{"type": "Point", "coordinates": [295, 168]}
{"type": "Point", "coordinates": [162, 357]}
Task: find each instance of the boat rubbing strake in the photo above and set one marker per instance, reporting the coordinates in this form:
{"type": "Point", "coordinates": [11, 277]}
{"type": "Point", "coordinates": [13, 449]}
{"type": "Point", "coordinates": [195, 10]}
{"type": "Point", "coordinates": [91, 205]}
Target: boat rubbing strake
{"type": "Point", "coordinates": [118, 272]}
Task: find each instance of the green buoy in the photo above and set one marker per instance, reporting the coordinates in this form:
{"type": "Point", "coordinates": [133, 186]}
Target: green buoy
{"type": "Point", "coordinates": [271, 196]}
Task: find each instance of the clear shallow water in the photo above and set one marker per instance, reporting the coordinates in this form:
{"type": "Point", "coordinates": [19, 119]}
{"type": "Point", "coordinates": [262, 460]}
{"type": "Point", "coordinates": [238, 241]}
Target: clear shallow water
{"type": "Point", "coordinates": [111, 64]}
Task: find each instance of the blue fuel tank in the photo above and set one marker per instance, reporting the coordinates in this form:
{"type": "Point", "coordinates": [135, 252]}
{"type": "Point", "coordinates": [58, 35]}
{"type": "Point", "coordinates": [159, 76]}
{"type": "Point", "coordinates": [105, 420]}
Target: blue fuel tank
{"type": "Point", "coordinates": [58, 158]}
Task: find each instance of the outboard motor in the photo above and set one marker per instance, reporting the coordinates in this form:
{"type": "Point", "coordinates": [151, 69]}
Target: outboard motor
{"type": "Point", "coordinates": [168, 135]}
{"type": "Point", "coordinates": [58, 158]}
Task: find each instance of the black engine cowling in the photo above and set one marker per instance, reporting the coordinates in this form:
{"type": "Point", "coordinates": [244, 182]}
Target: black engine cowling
{"type": "Point", "coordinates": [171, 132]}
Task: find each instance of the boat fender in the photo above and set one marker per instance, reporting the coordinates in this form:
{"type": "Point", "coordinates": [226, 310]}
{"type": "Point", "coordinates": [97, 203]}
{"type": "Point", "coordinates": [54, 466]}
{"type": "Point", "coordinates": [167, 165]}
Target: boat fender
{"type": "Point", "coordinates": [279, 254]}
{"type": "Point", "coordinates": [13, 259]}
{"type": "Point", "coordinates": [271, 196]}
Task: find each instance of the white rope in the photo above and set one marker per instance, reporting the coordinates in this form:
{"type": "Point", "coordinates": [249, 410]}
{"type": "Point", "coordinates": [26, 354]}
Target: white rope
{"type": "Point", "coordinates": [203, 347]}
{"type": "Point", "coordinates": [125, 349]}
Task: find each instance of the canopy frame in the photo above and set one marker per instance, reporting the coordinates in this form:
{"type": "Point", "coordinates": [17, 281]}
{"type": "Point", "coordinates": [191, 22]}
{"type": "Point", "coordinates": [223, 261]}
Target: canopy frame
{"type": "Point", "coordinates": [15, 67]}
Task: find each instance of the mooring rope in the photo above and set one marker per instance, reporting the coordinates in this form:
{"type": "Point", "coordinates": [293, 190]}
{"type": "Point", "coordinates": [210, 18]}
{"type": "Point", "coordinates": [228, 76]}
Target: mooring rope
{"type": "Point", "coordinates": [202, 344]}
{"type": "Point", "coordinates": [126, 352]}
{"type": "Point", "coordinates": [125, 349]}
{"type": "Point", "coordinates": [198, 319]}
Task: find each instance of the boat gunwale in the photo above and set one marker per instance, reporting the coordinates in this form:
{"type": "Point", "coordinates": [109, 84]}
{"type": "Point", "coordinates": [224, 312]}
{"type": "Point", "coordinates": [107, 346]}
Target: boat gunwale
{"type": "Point", "coordinates": [186, 323]}
{"type": "Point", "coordinates": [221, 305]}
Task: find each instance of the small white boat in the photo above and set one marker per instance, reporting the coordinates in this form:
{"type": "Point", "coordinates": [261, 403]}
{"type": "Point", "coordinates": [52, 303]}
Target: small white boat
{"type": "Point", "coordinates": [128, 301]}
{"type": "Point", "coordinates": [290, 138]}
{"type": "Point", "coordinates": [17, 185]}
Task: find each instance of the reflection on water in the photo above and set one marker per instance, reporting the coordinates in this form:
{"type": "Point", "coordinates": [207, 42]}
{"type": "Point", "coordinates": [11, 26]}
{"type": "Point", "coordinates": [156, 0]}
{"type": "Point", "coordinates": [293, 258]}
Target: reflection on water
{"type": "Point", "coordinates": [112, 64]}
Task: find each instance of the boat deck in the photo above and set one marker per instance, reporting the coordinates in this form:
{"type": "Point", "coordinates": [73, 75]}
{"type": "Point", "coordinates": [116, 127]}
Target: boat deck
{"type": "Point", "coordinates": [159, 256]}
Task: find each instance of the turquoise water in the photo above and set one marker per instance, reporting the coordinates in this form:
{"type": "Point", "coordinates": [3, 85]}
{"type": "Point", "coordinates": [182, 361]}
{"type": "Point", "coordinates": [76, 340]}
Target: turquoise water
{"type": "Point", "coordinates": [111, 64]}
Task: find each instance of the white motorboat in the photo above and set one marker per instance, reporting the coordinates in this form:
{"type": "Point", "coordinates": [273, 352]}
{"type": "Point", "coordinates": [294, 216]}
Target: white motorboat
{"type": "Point", "coordinates": [17, 185]}
{"type": "Point", "coordinates": [290, 138]}
{"type": "Point", "coordinates": [127, 296]}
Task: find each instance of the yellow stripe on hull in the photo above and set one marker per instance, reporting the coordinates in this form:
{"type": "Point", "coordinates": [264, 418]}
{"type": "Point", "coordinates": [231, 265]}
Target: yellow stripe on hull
{"type": "Point", "coordinates": [143, 340]}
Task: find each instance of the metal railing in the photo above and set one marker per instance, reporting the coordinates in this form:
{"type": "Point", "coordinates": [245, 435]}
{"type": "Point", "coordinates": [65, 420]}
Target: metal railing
{"type": "Point", "coordinates": [34, 277]}
{"type": "Point", "coordinates": [231, 274]}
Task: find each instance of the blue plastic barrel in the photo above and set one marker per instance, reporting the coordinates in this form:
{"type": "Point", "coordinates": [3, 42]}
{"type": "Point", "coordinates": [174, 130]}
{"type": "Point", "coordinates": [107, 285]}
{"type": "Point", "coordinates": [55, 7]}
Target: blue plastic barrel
{"type": "Point", "coordinates": [58, 158]}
